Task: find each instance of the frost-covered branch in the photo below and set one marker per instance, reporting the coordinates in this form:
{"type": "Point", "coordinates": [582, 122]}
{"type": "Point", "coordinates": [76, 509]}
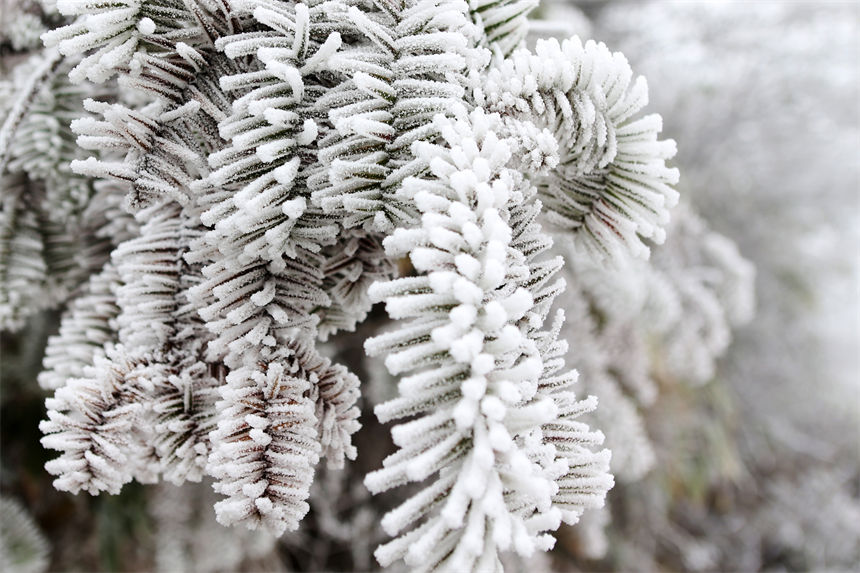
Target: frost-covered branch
{"type": "Point", "coordinates": [490, 409]}
{"type": "Point", "coordinates": [611, 188]}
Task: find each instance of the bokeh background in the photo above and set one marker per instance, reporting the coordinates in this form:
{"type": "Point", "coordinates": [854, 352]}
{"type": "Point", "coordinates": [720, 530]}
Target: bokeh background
{"type": "Point", "coordinates": [735, 448]}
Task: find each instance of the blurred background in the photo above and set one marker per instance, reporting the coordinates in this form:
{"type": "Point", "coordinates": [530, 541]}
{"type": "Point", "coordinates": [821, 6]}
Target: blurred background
{"type": "Point", "coordinates": [731, 404]}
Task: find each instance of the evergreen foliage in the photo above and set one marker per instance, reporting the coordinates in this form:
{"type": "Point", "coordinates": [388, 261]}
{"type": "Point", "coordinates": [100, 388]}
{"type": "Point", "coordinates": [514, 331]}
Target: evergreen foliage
{"type": "Point", "coordinates": [288, 165]}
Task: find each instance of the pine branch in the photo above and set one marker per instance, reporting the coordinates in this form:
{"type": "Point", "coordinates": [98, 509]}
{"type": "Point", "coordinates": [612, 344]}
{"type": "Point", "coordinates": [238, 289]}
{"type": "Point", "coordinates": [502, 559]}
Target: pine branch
{"type": "Point", "coordinates": [22, 264]}
{"type": "Point", "coordinates": [711, 287]}
{"type": "Point", "coordinates": [94, 422]}
{"type": "Point", "coordinates": [264, 448]}
{"type": "Point", "coordinates": [45, 68]}
{"type": "Point", "coordinates": [158, 161]}
{"type": "Point", "coordinates": [45, 145]}
{"type": "Point", "coordinates": [266, 238]}
{"type": "Point", "coordinates": [484, 390]}
{"type": "Point", "coordinates": [87, 326]}
{"type": "Point", "coordinates": [611, 188]}
{"type": "Point", "coordinates": [504, 23]}
{"type": "Point", "coordinates": [116, 32]}
{"type": "Point", "coordinates": [413, 65]}
{"type": "Point", "coordinates": [334, 391]}
{"type": "Point", "coordinates": [160, 327]}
